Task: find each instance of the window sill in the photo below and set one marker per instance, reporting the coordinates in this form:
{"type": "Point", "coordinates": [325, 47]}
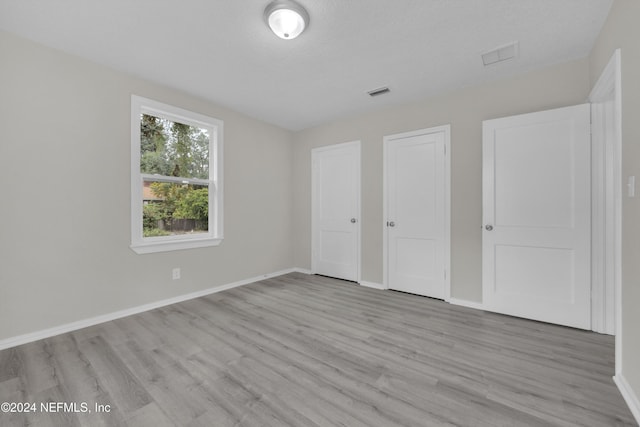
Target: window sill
{"type": "Point", "coordinates": [176, 245]}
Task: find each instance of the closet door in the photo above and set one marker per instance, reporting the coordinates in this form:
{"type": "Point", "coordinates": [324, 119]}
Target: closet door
{"type": "Point", "coordinates": [537, 216]}
{"type": "Point", "coordinates": [416, 199]}
{"type": "Point", "coordinates": [336, 211]}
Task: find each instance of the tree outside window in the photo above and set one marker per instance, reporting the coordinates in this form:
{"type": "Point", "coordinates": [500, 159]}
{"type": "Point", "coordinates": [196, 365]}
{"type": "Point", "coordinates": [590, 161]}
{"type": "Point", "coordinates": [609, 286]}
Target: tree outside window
{"type": "Point", "coordinates": [169, 148]}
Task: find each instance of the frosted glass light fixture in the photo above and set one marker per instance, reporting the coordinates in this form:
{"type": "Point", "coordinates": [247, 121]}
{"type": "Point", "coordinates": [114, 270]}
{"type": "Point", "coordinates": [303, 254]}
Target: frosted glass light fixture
{"type": "Point", "coordinates": [286, 18]}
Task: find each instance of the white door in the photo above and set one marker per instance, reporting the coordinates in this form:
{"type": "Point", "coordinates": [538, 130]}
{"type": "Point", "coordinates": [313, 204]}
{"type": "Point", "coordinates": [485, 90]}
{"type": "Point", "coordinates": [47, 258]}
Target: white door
{"type": "Point", "coordinates": [336, 211]}
{"type": "Point", "coordinates": [537, 216]}
{"type": "Point", "coordinates": [416, 210]}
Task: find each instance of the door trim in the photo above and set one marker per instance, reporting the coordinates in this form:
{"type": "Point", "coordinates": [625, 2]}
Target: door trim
{"type": "Point", "coordinates": [446, 130]}
{"type": "Point", "coordinates": [607, 211]}
{"type": "Point", "coordinates": [314, 219]}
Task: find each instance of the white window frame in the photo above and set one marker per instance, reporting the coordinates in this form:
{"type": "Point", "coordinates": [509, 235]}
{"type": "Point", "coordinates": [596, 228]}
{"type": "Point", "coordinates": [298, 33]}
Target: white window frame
{"type": "Point", "coordinates": [214, 235]}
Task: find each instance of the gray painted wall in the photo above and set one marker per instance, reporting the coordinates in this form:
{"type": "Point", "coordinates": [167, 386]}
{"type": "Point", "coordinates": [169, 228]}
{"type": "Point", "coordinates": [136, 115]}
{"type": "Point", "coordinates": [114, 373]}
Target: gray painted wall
{"type": "Point", "coordinates": [64, 209]}
{"type": "Point", "coordinates": [558, 86]}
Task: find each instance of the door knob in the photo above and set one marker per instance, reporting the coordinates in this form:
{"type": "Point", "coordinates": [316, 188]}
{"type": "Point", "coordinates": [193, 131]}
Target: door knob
{"type": "Point", "coordinates": [488, 227]}
{"type": "Point", "coordinates": [391, 224]}
{"type": "Point", "coordinates": [353, 220]}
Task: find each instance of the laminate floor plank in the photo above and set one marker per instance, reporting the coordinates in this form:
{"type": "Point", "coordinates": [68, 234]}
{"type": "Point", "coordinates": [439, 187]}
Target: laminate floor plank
{"type": "Point", "coordinates": [301, 350]}
{"type": "Point", "coordinates": [10, 364]}
{"type": "Point", "coordinates": [388, 403]}
{"type": "Point", "coordinates": [149, 416]}
{"type": "Point", "coordinates": [169, 386]}
{"type": "Point", "coordinates": [295, 373]}
{"type": "Point", "coordinates": [521, 366]}
{"type": "Point", "coordinates": [126, 391]}
{"type": "Point", "coordinates": [40, 373]}
{"type": "Point", "coordinates": [78, 382]}
{"type": "Point", "coordinates": [53, 418]}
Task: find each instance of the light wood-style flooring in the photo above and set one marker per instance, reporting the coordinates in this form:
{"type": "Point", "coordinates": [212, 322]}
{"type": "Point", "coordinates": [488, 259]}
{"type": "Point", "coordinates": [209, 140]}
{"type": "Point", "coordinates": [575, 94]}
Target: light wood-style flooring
{"type": "Point", "coordinates": [303, 350]}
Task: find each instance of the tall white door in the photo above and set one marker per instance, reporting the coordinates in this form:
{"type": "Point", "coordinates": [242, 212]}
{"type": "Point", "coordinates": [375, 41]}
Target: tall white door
{"type": "Point", "coordinates": [336, 211]}
{"type": "Point", "coordinates": [417, 218]}
{"type": "Point", "coordinates": [537, 216]}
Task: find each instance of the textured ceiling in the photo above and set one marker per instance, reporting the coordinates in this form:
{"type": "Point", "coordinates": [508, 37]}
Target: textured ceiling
{"type": "Point", "coordinates": [222, 51]}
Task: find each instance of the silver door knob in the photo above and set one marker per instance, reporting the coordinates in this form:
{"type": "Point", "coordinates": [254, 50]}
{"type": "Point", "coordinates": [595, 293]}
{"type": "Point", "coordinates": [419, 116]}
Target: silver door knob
{"type": "Point", "coordinates": [391, 224]}
{"type": "Point", "coordinates": [488, 227]}
{"type": "Point", "coordinates": [353, 220]}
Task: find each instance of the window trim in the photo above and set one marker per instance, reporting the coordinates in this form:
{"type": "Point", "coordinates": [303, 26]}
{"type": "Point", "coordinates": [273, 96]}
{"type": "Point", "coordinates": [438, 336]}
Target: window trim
{"type": "Point", "coordinates": [214, 235]}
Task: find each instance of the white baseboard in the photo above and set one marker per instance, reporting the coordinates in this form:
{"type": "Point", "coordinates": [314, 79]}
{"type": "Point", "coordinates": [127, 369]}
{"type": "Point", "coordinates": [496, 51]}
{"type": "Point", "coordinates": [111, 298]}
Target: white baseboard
{"type": "Point", "coordinates": [373, 285]}
{"type": "Point", "coordinates": [73, 326]}
{"type": "Point", "coordinates": [466, 303]}
{"type": "Point", "coordinates": [301, 270]}
{"type": "Point", "coordinates": [629, 396]}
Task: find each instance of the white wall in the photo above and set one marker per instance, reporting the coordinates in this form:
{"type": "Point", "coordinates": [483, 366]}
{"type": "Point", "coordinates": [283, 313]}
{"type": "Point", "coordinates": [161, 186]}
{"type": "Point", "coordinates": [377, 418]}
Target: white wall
{"type": "Point", "coordinates": [621, 30]}
{"type": "Point", "coordinates": [64, 204]}
{"type": "Point", "coordinates": [465, 110]}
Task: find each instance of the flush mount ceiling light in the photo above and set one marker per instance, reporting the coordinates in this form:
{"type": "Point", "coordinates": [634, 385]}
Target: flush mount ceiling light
{"type": "Point", "coordinates": [286, 18]}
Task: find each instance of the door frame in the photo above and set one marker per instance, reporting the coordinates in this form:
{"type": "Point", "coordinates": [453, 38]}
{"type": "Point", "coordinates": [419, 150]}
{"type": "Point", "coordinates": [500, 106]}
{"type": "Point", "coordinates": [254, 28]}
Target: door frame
{"type": "Point", "coordinates": [607, 209]}
{"type": "Point", "coordinates": [446, 130]}
{"type": "Point", "coordinates": [314, 206]}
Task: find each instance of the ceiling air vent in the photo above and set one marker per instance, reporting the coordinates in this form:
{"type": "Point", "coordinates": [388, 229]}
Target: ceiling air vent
{"type": "Point", "coordinates": [379, 91]}
{"type": "Point", "coordinates": [500, 54]}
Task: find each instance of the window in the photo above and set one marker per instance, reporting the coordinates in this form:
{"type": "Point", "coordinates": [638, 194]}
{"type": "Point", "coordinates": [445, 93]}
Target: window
{"type": "Point", "coordinates": [176, 178]}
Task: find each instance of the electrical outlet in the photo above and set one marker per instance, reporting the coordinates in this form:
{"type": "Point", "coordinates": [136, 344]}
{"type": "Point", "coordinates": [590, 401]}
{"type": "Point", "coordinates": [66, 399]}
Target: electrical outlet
{"type": "Point", "coordinates": [175, 273]}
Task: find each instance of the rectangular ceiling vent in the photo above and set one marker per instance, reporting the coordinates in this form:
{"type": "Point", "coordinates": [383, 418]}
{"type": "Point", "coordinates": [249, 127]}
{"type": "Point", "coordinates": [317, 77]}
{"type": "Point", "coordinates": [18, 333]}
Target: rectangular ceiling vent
{"type": "Point", "coordinates": [379, 91]}
{"type": "Point", "coordinates": [502, 53]}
